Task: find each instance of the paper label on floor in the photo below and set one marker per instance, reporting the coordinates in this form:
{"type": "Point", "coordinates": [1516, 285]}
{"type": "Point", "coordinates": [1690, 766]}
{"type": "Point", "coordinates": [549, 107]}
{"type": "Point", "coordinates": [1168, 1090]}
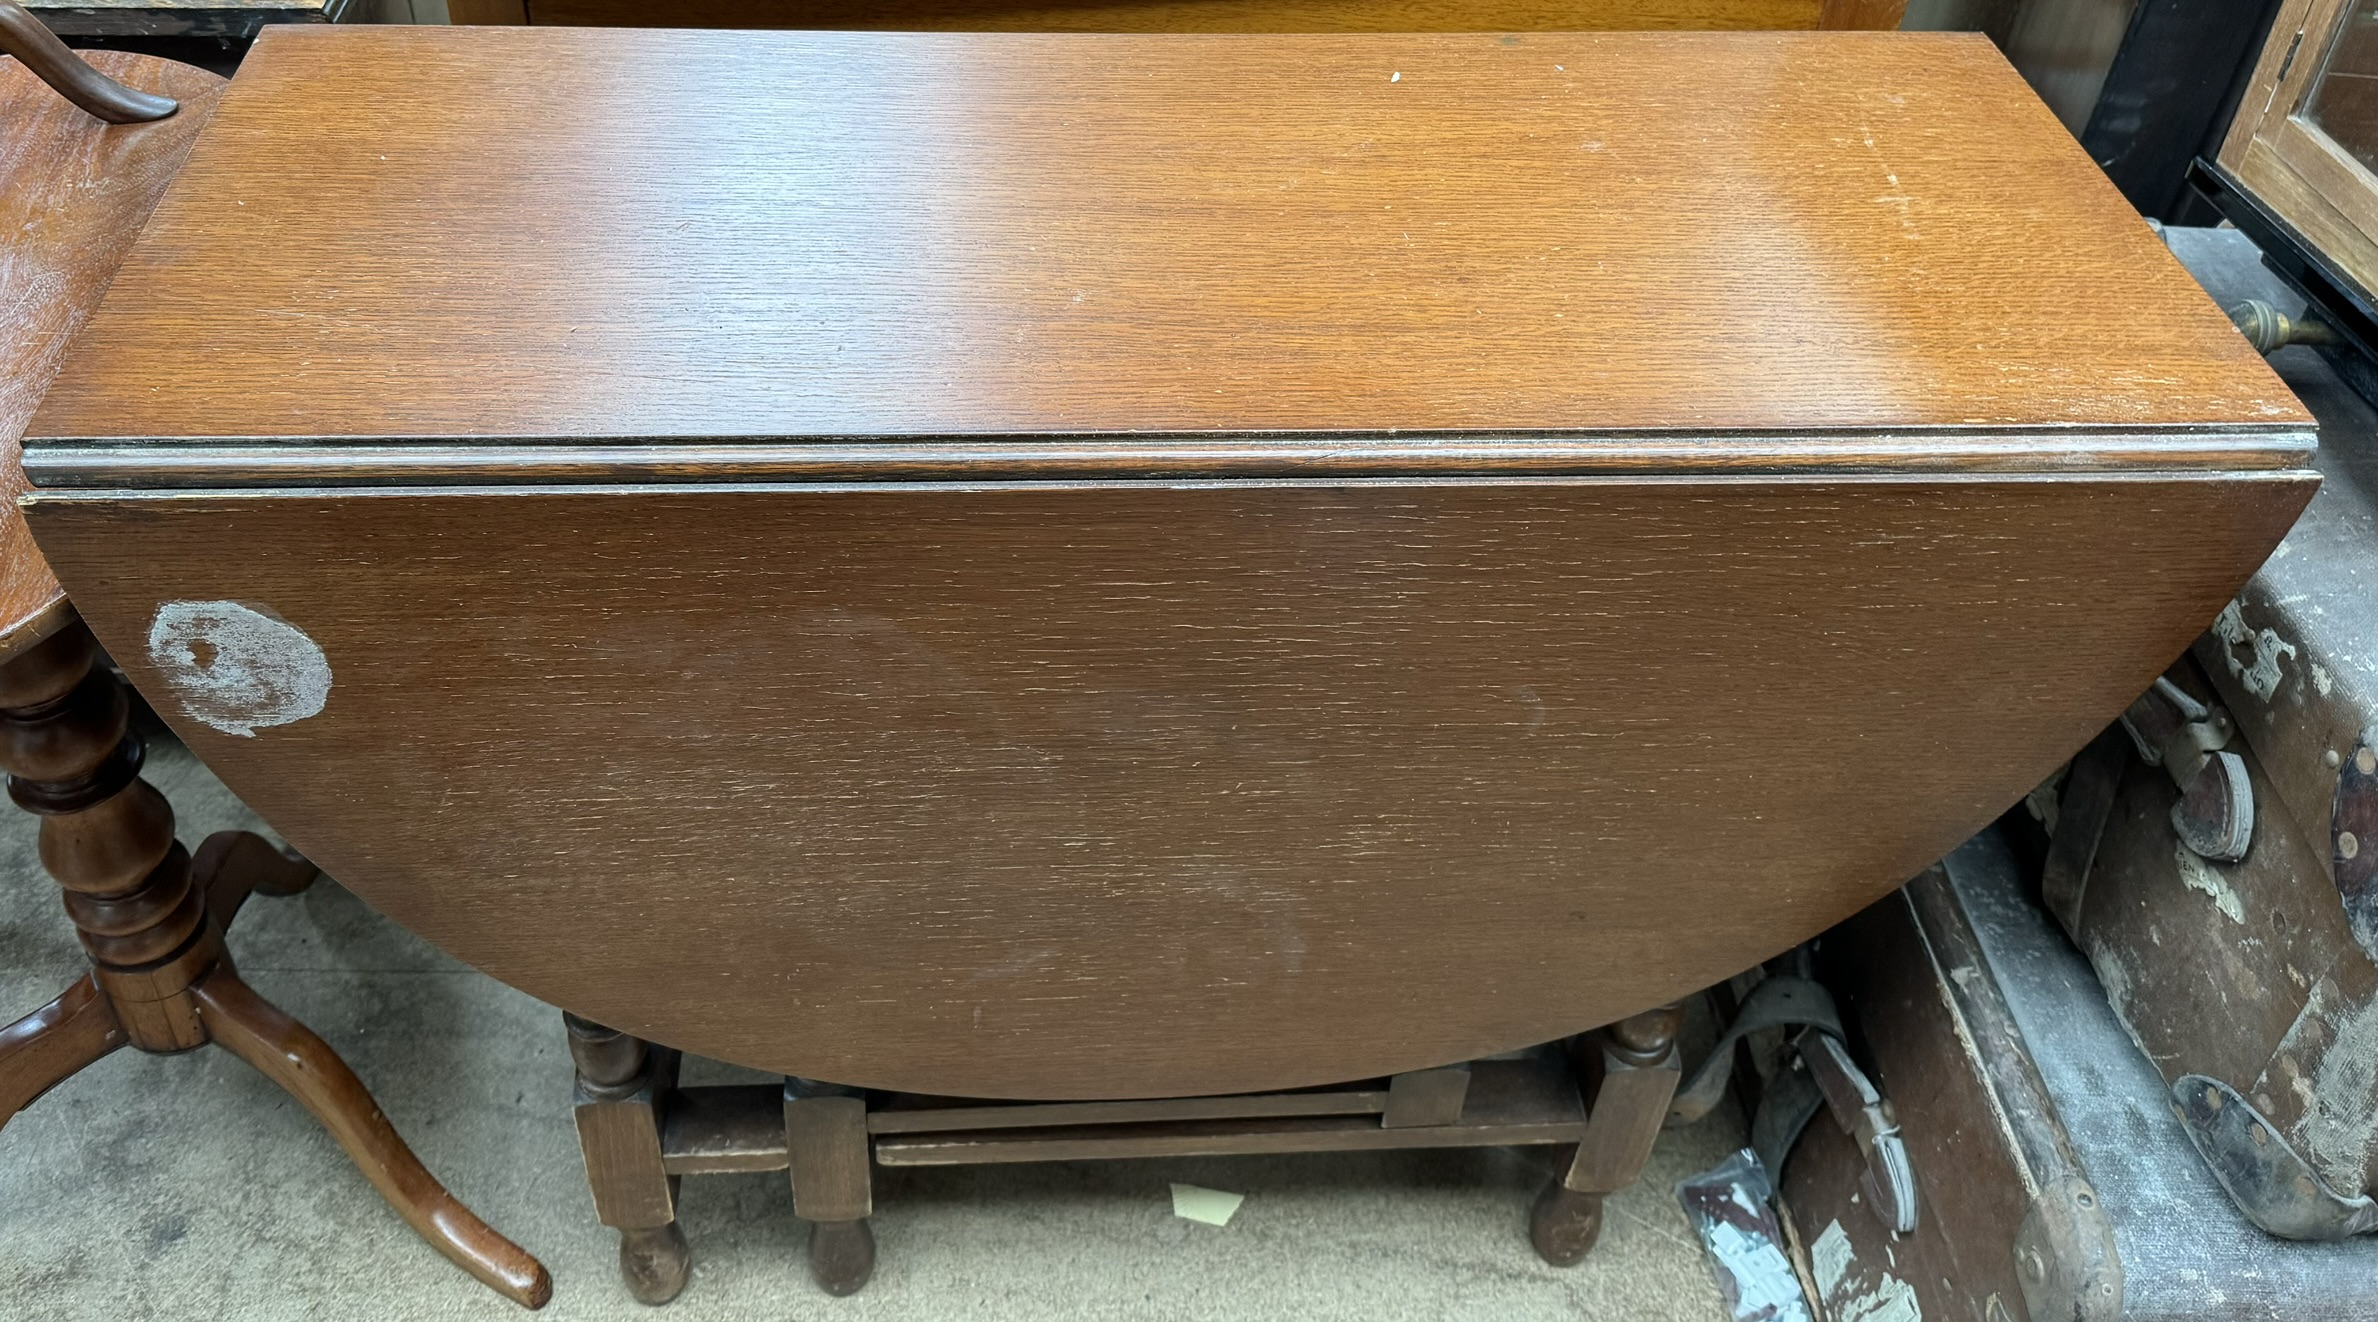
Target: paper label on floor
{"type": "Point", "coordinates": [1831, 1256]}
{"type": "Point", "coordinates": [1893, 1300]}
{"type": "Point", "coordinates": [1850, 1291]}
{"type": "Point", "coordinates": [1206, 1206]}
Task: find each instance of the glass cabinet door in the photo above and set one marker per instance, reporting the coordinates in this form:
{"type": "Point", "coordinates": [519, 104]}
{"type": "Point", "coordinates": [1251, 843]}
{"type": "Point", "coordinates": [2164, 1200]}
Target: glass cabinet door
{"type": "Point", "coordinates": [2305, 140]}
{"type": "Point", "coordinates": [2344, 99]}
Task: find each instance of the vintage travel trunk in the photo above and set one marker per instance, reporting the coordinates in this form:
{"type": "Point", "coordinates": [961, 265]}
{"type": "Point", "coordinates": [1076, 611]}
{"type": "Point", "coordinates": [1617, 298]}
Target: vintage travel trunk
{"type": "Point", "coordinates": [2253, 982]}
{"type": "Point", "coordinates": [1050, 567]}
{"type": "Point", "coordinates": [2055, 1182]}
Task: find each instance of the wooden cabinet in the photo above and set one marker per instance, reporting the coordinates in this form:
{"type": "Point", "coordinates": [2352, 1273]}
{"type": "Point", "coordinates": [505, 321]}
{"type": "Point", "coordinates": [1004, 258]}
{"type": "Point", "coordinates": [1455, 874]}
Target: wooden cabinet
{"type": "Point", "coordinates": [2305, 140]}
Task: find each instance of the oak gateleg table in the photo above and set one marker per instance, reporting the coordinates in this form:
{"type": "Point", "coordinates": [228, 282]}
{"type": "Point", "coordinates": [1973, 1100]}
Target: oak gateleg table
{"type": "Point", "coordinates": [1064, 570]}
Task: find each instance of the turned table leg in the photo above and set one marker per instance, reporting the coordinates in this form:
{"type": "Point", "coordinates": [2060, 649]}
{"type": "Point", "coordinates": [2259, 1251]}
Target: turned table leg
{"type": "Point", "coordinates": [151, 919]}
{"type": "Point", "coordinates": [1639, 1070]}
{"type": "Point", "coordinates": [621, 1082]}
{"type": "Point", "coordinates": [825, 1129]}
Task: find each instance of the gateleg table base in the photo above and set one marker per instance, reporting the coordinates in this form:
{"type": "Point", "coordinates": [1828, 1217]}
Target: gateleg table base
{"type": "Point", "coordinates": [1602, 1095]}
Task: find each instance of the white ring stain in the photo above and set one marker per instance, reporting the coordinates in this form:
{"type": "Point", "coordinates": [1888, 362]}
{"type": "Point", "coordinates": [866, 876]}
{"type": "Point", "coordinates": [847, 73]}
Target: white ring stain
{"type": "Point", "coordinates": [238, 669]}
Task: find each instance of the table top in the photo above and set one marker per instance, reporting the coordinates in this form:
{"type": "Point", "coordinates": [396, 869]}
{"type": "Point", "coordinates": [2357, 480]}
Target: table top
{"type": "Point", "coordinates": [1103, 788]}
{"type": "Point", "coordinates": [507, 237]}
{"type": "Point", "coordinates": [73, 193]}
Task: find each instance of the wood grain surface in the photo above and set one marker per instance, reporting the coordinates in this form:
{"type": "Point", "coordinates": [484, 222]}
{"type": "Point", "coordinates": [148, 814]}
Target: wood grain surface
{"type": "Point", "coordinates": [1149, 789]}
{"type": "Point", "coordinates": [530, 234]}
{"type": "Point", "coordinates": [73, 194]}
{"type": "Point", "coordinates": [1208, 15]}
{"type": "Point", "coordinates": [1102, 567]}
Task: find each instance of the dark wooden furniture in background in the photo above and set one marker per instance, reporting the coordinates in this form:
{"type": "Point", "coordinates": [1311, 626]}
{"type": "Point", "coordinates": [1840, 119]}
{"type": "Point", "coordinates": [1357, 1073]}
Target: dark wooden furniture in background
{"type": "Point", "coordinates": [2146, 85]}
{"type": "Point", "coordinates": [239, 20]}
{"type": "Point", "coordinates": [73, 193]}
{"type": "Point", "coordinates": [2172, 90]}
{"type": "Point", "coordinates": [1030, 580]}
{"type": "Point", "coordinates": [1194, 15]}
{"type": "Point", "coordinates": [212, 34]}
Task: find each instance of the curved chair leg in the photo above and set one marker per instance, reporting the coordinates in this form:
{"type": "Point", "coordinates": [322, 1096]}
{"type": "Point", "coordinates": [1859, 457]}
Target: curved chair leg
{"type": "Point", "coordinates": [46, 1047]}
{"type": "Point", "coordinates": [289, 1054]}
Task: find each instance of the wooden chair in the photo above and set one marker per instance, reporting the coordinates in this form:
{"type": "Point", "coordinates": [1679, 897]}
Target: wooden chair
{"type": "Point", "coordinates": [73, 194]}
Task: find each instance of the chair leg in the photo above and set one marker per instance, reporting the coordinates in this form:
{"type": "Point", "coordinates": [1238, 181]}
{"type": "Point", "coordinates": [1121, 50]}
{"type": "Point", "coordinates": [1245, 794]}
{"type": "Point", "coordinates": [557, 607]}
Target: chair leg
{"type": "Point", "coordinates": [288, 1053]}
{"type": "Point", "coordinates": [48, 1046]}
{"type": "Point", "coordinates": [1640, 1068]}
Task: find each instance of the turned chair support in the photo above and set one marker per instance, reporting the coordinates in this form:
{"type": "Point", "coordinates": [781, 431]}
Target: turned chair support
{"type": "Point", "coordinates": [151, 916]}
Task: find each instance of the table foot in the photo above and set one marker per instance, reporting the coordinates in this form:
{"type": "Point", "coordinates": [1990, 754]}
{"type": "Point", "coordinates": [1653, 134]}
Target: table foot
{"type": "Point", "coordinates": [655, 1262]}
{"type": "Point", "coordinates": [1565, 1224]}
{"type": "Point", "coordinates": [841, 1255]}
{"type": "Point", "coordinates": [54, 1043]}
